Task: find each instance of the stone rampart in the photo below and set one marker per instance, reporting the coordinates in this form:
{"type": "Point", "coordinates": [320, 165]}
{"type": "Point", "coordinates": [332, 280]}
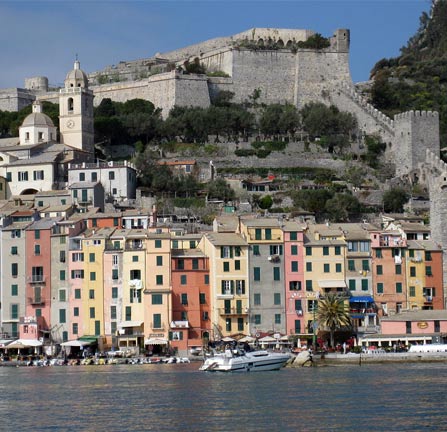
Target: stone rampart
{"type": "Point", "coordinates": [14, 99]}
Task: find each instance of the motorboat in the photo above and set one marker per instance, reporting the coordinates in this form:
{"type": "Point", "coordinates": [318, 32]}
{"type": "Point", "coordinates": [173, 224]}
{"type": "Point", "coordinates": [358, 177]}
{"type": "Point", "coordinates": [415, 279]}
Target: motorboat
{"type": "Point", "coordinates": [236, 360]}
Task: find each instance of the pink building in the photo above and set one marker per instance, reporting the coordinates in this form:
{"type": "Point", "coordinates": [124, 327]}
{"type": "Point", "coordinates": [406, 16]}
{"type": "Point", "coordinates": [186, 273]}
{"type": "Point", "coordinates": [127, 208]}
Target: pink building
{"type": "Point", "coordinates": [295, 296]}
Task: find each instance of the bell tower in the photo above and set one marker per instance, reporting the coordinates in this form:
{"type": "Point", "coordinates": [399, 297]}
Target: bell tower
{"type": "Point", "coordinates": [76, 111]}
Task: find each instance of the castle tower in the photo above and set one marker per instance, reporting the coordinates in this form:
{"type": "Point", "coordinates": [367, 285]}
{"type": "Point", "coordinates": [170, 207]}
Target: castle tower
{"type": "Point", "coordinates": [343, 40]}
{"type": "Point", "coordinates": [76, 111]}
{"type": "Point", "coordinates": [415, 132]}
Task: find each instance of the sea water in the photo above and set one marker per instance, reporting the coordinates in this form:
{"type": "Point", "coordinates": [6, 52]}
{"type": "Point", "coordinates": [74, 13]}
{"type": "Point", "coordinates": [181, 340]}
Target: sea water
{"type": "Point", "coordinates": [177, 397]}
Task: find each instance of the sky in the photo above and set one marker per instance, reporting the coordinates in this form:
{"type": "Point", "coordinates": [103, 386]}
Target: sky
{"type": "Point", "coordinates": [42, 37]}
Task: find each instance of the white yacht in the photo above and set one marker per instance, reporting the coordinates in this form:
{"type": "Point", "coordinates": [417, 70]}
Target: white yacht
{"type": "Point", "coordinates": [240, 361]}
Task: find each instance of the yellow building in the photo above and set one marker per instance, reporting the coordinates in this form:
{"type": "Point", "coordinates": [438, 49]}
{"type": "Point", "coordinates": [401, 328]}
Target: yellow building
{"type": "Point", "coordinates": [229, 283]}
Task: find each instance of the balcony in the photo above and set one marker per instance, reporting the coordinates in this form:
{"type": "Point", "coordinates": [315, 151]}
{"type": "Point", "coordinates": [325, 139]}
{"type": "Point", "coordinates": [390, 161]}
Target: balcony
{"type": "Point", "coordinates": [36, 301]}
{"type": "Point", "coordinates": [35, 279]}
{"type": "Point", "coordinates": [226, 295]}
{"type": "Point", "coordinates": [274, 258]}
{"type": "Point", "coordinates": [233, 311]}
{"type": "Point", "coordinates": [160, 327]}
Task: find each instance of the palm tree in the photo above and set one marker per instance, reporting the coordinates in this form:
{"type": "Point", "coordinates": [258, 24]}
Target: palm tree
{"type": "Point", "coordinates": [333, 314]}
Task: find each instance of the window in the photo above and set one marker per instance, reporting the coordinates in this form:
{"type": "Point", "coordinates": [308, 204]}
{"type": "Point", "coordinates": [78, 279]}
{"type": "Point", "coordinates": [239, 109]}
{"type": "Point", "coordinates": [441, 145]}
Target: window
{"type": "Point", "coordinates": [91, 294]}
{"type": "Point", "coordinates": [293, 235]}
{"type": "Point", "coordinates": [174, 244]}
{"type": "Point", "coordinates": [14, 269]}
{"type": "Point", "coordinates": [428, 256]}
{"type": "Point", "coordinates": [226, 252]}
{"type": "Point", "coordinates": [297, 326]}
{"type": "Point", "coordinates": [276, 299]}
{"type": "Point", "coordinates": [114, 274]}
{"type": "Point", "coordinates": [227, 287]}
{"type": "Point", "coordinates": [62, 256]}
{"type": "Point", "coordinates": [351, 284]}
{"type": "Point", "coordinates": [258, 234]}
{"type": "Point", "coordinates": [157, 320]}
{"type": "Point", "coordinates": [92, 312]}
{"type": "Point", "coordinates": [364, 284]}
{"type": "Point", "coordinates": [94, 177]}
{"type": "Point", "coordinates": [256, 250]}
{"type": "Point", "coordinates": [38, 175]}
{"type": "Point", "coordinates": [268, 234]}
{"type": "Point", "coordinates": [62, 316]}
{"type": "Point", "coordinates": [256, 273]}
{"type": "Point", "coordinates": [114, 292]}
{"type": "Point", "coordinates": [378, 253]}
{"type": "Point", "coordinates": [77, 274]}
{"type": "Point", "coordinates": [412, 292]}
{"type": "Point", "coordinates": [407, 326]}
{"type": "Point", "coordinates": [36, 249]}
{"type": "Point", "coordinates": [91, 257]}
{"type": "Point", "coordinates": [327, 268]}
{"type": "Point", "coordinates": [37, 234]}
{"type": "Point", "coordinates": [192, 244]}
{"type": "Point", "coordinates": [226, 266]}
{"type": "Point", "coordinates": [134, 258]}
{"type": "Point", "coordinates": [308, 266]}
{"type": "Point", "coordinates": [157, 244]}
{"type": "Point", "coordinates": [379, 270]}
{"type": "Point", "coordinates": [92, 276]}
{"type": "Point", "coordinates": [77, 256]}
{"type": "Point", "coordinates": [309, 285]}
{"type": "Point", "coordinates": [75, 311]}
{"type": "Point", "coordinates": [351, 265]}
{"type": "Point", "coordinates": [398, 287]}
{"type": "Point", "coordinates": [135, 295]}
{"type": "Point", "coordinates": [325, 250]}
{"type": "Point", "coordinates": [295, 285]}
{"type": "Point", "coordinates": [14, 290]}
{"type": "Point", "coordinates": [257, 299]}
{"type": "Point", "coordinates": [128, 313]}
{"type": "Point", "coordinates": [111, 175]}
{"type": "Point", "coordinates": [202, 298]}
{"type": "Point", "coordinates": [276, 273]}
{"type": "Point", "coordinates": [8, 176]}
{"type": "Point", "coordinates": [180, 264]}
{"type": "Point", "coordinates": [308, 251]}
{"type": "Point", "coordinates": [184, 299]}
{"type": "Point", "coordinates": [293, 250]}
{"type": "Point", "coordinates": [337, 250]}
{"type": "Point", "coordinates": [13, 250]}
{"type": "Point", "coordinates": [413, 271]}
{"type": "Point", "coordinates": [81, 177]}
{"type": "Point", "coordinates": [77, 293]}
{"type": "Point", "coordinates": [157, 299]}
{"type": "Point", "coordinates": [294, 265]}
{"type": "Point", "coordinates": [183, 280]}
{"type": "Point", "coordinates": [277, 318]}
{"type": "Point", "coordinates": [14, 311]}
{"type": "Point", "coordinates": [22, 176]}
{"type": "Point", "coordinates": [240, 287]}
{"type": "Point", "coordinates": [398, 269]}
{"type": "Point", "coordinates": [365, 265]}
{"type": "Point", "coordinates": [275, 249]}
{"type": "Point", "coordinates": [75, 328]}
{"type": "Point", "coordinates": [62, 295]}
{"type": "Point", "coordinates": [428, 271]}
{"type": "Point", "coordinates": [112, 312]}
{"type": "Point", "coordinates": [206, 279]}
{"type": "Point", "coordinates": [257, 319]}
{"type": "Point", "coordinates": [195, 264]}
{"type": "Point", "coordinates": [159, 279]}
{"type": "Point", "coordinates": [159, 260]}
{"type": "Point", "coordinates": [338, 268]}
{"type": "Point", "coordinates": [237, 264]}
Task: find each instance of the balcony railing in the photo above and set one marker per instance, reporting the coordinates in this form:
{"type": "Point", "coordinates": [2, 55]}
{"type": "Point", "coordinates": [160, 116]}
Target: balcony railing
{"type": "Point", "coordinates": [36, 301]}
{"type": "Point", "coordinates": [160, 328]}
{"type": "Point", "coordinates": [233, 311]}
{"type": "Point", "coordinates": [35, 279]}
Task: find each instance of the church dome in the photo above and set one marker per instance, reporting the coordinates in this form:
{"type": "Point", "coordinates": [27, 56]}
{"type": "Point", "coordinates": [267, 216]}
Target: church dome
{"type": "Point", "coordinates": [37, 119]}
{"type": "Point", "coordinates": [76, 77]}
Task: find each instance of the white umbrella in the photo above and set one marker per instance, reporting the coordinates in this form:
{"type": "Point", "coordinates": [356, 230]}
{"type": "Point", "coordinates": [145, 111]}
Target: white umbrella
{"type": "Point", "coordinates": [23, 343]}
{"type": "Point", "coordinates": [267, 339]}
{"type": "Point", "coordinates": [227, 339]}
{"type": "Point", "coordinates": [247, 339]}
{"type": "Point", "coordinates": [75, 343]}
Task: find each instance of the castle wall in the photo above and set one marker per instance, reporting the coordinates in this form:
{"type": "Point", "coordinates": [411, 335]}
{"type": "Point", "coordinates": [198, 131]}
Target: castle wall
{"type": "Point", "coordinates": [436, 176]}
{"type": "Point", "coordinates": [415, 132]}
{"type": "Point", "coordinates": [14, 99]}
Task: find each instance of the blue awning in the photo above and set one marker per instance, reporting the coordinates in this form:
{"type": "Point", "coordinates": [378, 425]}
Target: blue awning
{"type": "Point", "coordinates": [361, 299]}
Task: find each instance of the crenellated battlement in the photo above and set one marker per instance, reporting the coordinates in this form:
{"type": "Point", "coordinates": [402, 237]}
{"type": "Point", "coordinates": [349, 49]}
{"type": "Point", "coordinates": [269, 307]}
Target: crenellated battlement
{"type": "Point", "coordinates": [416, 114]}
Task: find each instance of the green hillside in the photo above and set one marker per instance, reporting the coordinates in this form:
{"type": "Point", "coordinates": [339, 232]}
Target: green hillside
{"type": "Point", "coordinates": [417, 79]}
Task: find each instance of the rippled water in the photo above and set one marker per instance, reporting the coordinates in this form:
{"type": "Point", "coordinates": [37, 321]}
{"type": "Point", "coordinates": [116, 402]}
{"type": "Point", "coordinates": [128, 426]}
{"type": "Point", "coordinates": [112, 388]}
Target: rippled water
{"type": "Point", "coordinates": [404, 397]}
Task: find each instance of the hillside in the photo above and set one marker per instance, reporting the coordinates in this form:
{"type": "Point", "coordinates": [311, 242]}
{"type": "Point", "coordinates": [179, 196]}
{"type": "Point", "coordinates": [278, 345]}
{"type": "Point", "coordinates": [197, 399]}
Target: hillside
{"type": "Point", "coordinates": [417, 79]}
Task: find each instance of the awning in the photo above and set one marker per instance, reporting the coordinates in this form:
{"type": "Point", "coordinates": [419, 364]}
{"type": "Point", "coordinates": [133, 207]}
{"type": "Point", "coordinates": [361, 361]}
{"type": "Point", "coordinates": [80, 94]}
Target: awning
{"type": "Point", "coordinates": [267, 339]}
{"type": "Point", "coordinates": [156, 341]}
{"type": "Point", "coordinates": [126, 324]}
{"type": "Point", "coordinates": [332, 283]}
{"type": "Point", "coordinates": [75, 343]}
{"type": "Point", "coordinates": [86, 338]}
{"type": "Point", "coordinates": [361, 299]}
{"type": "Point", "coordinates": [23, 343]}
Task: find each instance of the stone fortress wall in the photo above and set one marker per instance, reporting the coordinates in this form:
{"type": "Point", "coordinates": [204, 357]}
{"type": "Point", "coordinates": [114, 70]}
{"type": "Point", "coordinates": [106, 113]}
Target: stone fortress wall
{"type": "Point", "coordinates": [282, 75]}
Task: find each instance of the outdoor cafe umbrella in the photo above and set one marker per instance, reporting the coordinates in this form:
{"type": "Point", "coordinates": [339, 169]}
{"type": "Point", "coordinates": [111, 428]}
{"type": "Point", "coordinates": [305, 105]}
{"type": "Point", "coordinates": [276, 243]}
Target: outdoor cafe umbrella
{"type": "Point", "coordinates": [247, 339]}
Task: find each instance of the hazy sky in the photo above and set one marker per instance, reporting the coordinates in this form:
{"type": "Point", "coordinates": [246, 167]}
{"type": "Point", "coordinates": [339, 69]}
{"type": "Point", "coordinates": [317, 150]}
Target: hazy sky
{"type": "Point", "coordinates": [41, 38]}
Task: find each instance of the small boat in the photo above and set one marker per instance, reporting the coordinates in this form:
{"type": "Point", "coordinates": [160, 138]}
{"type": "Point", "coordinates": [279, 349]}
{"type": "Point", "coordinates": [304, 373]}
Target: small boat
{"type": "Point", "coordinates": [240, 361]}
